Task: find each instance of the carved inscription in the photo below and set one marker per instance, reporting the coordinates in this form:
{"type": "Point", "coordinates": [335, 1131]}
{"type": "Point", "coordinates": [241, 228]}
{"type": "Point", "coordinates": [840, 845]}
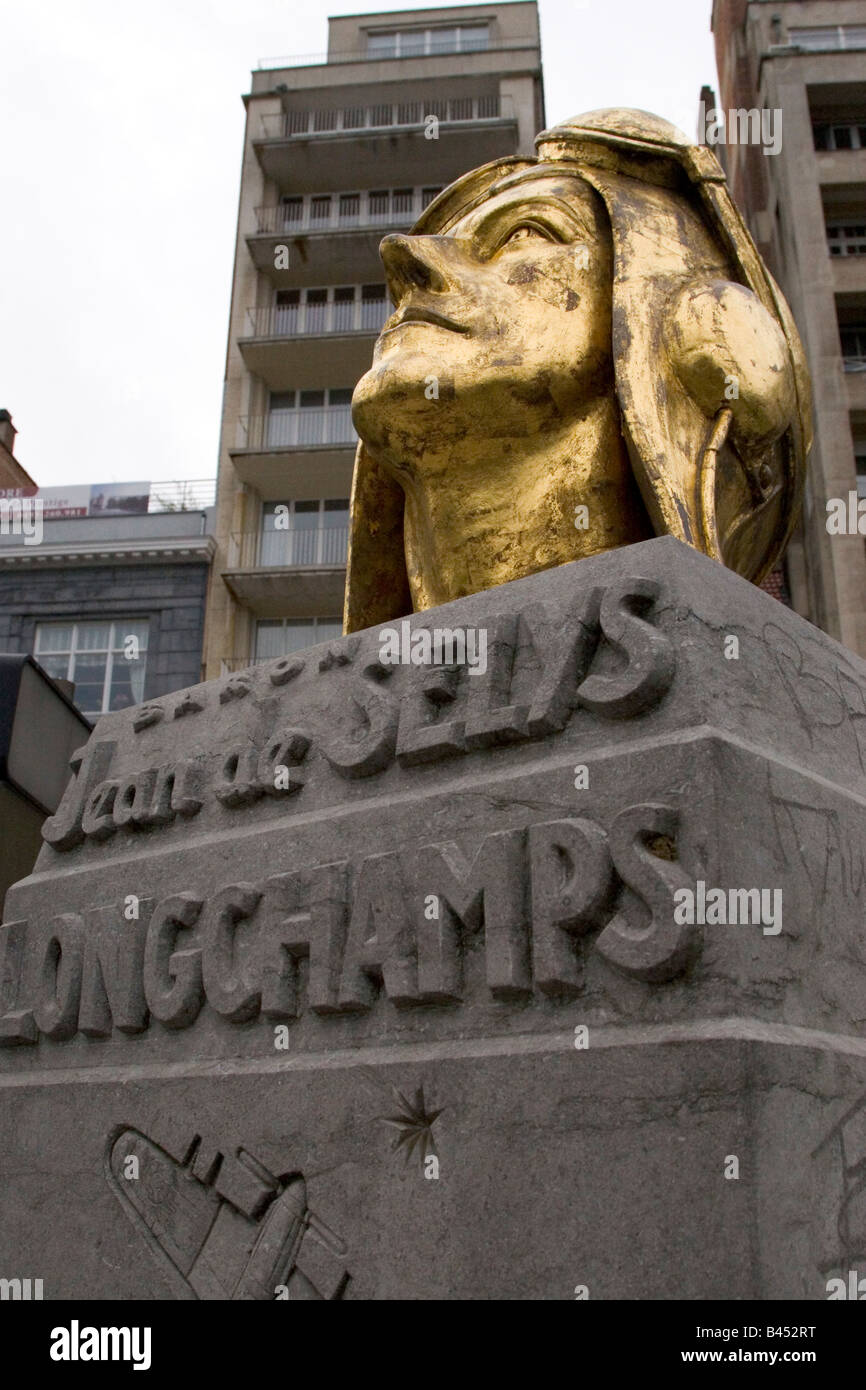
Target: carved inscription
{"type": "Point", "coordinates": [441, 715]}
{"type": "Point", "coordinates": [527, 903]}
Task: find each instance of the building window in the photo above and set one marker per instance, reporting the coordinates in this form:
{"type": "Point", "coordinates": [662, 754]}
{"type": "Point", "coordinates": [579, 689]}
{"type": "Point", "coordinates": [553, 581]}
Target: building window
{"type": "Point", "coordinates": [853, 338]}
{"type": "Point", "coordinates": [287, 307]}
{"type": "Point", "coordinates": [106, 661]}
{"type": "Point", "coordinates": [382, 45]}
{"type": "Point", "coordinates": [846, 238]}
{"type": "Point", "coordinates": [292, 210]}
{"type": "Point", "coordinates": [860, 465]}
{"type": "Point", "coordinates": [305, 533]}
{"type": "Point", "coordinates": [310, 417]}
{"type": "Point", "coordinates": [374, 307]}
{"type": "Point", "coordinates": [343, 313]}
{"type": "Point", "coordinates": [334, 309]}
{"type": "Point", "coordinates": [444, 40]}
{"type": "Point", "coordinates": [316, 311]}
{"type": "Point", "coordinates": [834, 36]}
{"type": "Point", "coordinates": [412, 43]}
{"type": "Point", "coordinates": [276, 637]}
{"type": "Point", "coordinates": [473, 38]}
{"type": "Point", "coordinates": [845, 135]}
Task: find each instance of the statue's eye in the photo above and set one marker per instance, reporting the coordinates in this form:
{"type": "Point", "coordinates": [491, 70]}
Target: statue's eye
{"type": "Point", "coordinates": [527, 231]}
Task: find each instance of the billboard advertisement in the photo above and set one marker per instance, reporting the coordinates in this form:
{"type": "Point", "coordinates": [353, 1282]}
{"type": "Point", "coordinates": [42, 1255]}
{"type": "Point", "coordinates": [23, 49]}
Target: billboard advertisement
{"type": "Point", "coordinates": [87, 499]}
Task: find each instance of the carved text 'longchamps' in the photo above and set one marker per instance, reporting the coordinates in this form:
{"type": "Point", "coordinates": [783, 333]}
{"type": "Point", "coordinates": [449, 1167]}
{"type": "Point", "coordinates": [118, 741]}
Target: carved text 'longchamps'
{"type": "Point", "coordinates": [397, 921]}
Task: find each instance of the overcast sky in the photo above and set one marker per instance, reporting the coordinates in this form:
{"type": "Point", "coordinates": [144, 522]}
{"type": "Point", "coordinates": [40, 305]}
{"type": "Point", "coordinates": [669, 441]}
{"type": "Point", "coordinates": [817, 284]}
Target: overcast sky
{"type": "Point", "coordinates": [122, 134]}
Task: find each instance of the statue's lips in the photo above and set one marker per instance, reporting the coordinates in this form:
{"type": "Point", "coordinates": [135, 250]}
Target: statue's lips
{"type": "Point", "coordinates": [416, 315]}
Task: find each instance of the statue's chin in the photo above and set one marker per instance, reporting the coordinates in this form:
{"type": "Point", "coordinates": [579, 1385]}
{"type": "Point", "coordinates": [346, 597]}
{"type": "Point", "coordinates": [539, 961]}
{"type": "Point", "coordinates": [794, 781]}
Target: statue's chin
{"type": "Point", "coordinates": [390, 408]}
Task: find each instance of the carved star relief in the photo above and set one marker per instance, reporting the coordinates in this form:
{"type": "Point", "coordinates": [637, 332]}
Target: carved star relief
{"type": "Point", "coordinates": [414, 1125]}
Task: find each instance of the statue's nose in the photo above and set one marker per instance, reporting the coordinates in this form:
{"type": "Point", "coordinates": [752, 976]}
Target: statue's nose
{"type": "Point", "coordinates": [412, 262]}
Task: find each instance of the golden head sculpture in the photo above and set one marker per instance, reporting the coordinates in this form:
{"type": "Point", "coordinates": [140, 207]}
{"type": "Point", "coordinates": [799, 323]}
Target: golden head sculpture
{"type": "Point", "coordinates": [586, 351]}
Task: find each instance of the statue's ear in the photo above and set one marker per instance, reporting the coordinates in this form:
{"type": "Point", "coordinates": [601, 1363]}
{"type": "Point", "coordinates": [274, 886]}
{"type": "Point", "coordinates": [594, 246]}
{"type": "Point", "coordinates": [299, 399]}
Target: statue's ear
{"type": "Point", "coordinates": [733, 359]}
{"type": "Point", "coordinates": [377, 586]}
{"type": "Point", "coordinates": [730, 352]}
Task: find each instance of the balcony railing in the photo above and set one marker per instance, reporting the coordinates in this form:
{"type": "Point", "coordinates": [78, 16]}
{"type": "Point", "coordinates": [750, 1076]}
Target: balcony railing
{"type": "Point", "coordinates": [293, 547]}
{"type": "Point", "coordinates": [829, 38]}
{"type": "Point", "coordinates": [230, 665]}
{"type": "Point", "coordinates": [311, 319]}
{"type": "Point", "coordinates": [340, 214]}
{"type": "Point", "coordinates": [294, 60]}
{"type": "Point", "coordinates": [847, 238]}
{"type": "Point", "coordinates": [839, 135]}
{"type": "Point", "coordinates": [283, 125]}
{"type": "Point", "coordinates": [298, 428]}
{"type": "Point", "coordinates": [182, 495]}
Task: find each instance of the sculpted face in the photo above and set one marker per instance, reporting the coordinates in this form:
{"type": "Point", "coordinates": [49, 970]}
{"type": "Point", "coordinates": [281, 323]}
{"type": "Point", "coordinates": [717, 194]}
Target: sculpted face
{"type": "Point", "coordinates": [506, 318]}
{"type": "Point", "coordinates": [491, 399]}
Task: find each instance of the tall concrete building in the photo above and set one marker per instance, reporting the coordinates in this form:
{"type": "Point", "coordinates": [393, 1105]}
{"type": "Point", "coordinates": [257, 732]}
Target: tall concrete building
{"type": "Point", "coordinates": [337, 154]}
{"type": "Point", "coordinates": [803, 62]}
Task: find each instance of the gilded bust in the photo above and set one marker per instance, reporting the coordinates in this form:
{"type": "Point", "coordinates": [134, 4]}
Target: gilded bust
{"type": "Point", "coordinates": [586, 351]}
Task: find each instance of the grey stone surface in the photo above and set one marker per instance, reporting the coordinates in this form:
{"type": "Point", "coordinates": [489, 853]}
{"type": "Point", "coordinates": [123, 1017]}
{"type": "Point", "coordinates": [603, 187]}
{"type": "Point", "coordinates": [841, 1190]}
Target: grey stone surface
{"type": "Point", "coordinates": [245, 1035]}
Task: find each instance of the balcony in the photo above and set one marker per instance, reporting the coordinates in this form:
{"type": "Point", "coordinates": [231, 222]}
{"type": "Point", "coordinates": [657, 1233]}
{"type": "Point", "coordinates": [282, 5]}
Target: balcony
{"type": "Point", "coordinates": [849, 275]}
{"type": "Point", "coordinates": [300, 345]}
{"type": "Point", "coordinates": [312, 318]}
{"type": "Point", "coordinates": [182, 495]}
{"type": "Point", "coordinates": [333, 237]}
{"type": "Point", "coordinates": [834, 38]}
{"type": "Point", "coordinates": [310, 428]}
{"type": "Point", "coordinates": [519, 44]}
{"type": "Point", "coordinates": [846, 238]}
{"type": "Point", "coordinates": [341, 212]}
{"type": "Point", "coordinates": [836, 168]}
{"type": "Point", "coordinates": [297, 547]}
{"type": "Point", "coordinates": [273, 452]}
{"type": "Point", "coordinates": [356, 120]}
{"type": "Point", "coordinates": [298, 570]}
{"type": "Point", "coordinates": [360, 141]}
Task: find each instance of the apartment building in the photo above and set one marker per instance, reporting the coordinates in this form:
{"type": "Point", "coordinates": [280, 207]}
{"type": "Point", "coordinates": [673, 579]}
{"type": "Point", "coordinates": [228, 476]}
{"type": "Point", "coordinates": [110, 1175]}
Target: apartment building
{"type": "Point", "coordinates": [806, 207]}
{"type": "Point", "coordinates": [337, 153]}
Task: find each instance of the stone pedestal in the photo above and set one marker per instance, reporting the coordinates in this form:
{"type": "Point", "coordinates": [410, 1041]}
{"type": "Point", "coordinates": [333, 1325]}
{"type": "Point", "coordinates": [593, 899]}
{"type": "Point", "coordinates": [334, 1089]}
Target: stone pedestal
{"type": "Point", "coordinates": [580, 933]}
